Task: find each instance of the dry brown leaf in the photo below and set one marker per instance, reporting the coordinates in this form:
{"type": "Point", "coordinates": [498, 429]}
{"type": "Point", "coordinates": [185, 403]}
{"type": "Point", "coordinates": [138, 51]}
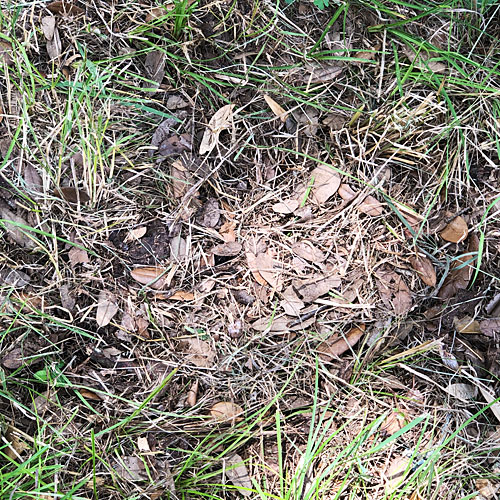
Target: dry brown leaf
{"type": "Point", "coordinates": [237, 473]}
{"type": "Point", "coordinates": [486, 488]}
{"type": "Point", "coordinates": [182, 296]}
{"type": "Point", "coordinates": [346, 192]}
{"type": "Point", "coordinates": [192, 394]}
{"type": "Point", "coordinates": [335, 121]}
{"type": "Point", "coordinates": [394, 422]}
{"type": "Point", "coordinates": [448, 359]}
{"type": "Point", "coordinates": [224, 411]}
{"type": "Point", "coordinates": [6, 53]}
{"type": "Point", "coordinates": [51, 33]}
{"type": "Point", "coordinates": [262, 268]}
{"type": "Point", "coordinates": [229, 249]}
{"type": "Point", "coordinates": [78, 256]}
{"type": "Point", "coordinates": [306, 250]}
{"type": "Point", "coordinates": [14, 359]}
{"type": "Point", "coordinates": [326, 183]}
{"type": "Point", "coordinates": [16, 445]}
{"type": "Point", "coordinates": [286, 207]}
{"type": "Point", "coordinates": [136, 234]}
{"type": "Point", "coordinates": [424, 268]}
{"type": "Point", "coordinates": [65, 8]}
{"type": "Point", "coordinates": [90, 395]}
{"type": "Point", "coordinates": [154, 277]}
{"type": "Point", "coordinates": [220, 121]}
{"type": "Point", "coordinates": [463, 392]}
{"type": "Point", "coordinates": [72, 195]}
{"type": "Point", "coordinates": [178, 249]}
{"type": "Point", "coordinates": [106, 308]}
{"type": "Point", "coordinates": [466, 325]}
{"type": "Point", "coordinates": [10, 221]}
{"type": "Point", "coordinates": [131, 468]}
{"type": "Point", "coordinates": [14, 278]}
{"type": "Point", "coordinates": [490, 327]}
{"type": "Point", "coordinates": [396, 473]}
{"type": "Point", "coordinates": [155, 66]}
{"type": "Point", "coordinates": [313, 288]}
{"type": "Point", "coordinates": [198, 352]}
{"type": "Point", "coordinates": [321, 74]}
{"type": "Point", "coordinates": [291, 303]}
{"type": "Point", "coordinates": [456, 231]}
{"type": "Point", "coordinates": [181, 178]}
{"type": "Point", "coordinates": [459, 276]}
{"type": "Point", "coordinates": [336, 345]}
{"type": "Point", "coordinates": [276, 108]}
{"type": "Point", "coordinates": [371, 206]}
{"type": "Point", "coordinates": [393, 291]}
{"type": "Point", "coordinates": [176, 102]}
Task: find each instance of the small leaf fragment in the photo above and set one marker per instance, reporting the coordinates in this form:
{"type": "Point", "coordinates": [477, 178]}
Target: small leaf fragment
{"type": "Point", "coordinates": [199, 352]}
{"type": "Point", "coordinates": [490, 327]}
{"type": "Point", "coordinates": [65, 8]}
{"type": "Point", "coordinates": [72, 195]}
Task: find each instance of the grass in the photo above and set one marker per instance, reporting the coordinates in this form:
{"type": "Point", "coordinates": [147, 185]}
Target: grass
{"type": "Point", "coordinates": [94, 412]}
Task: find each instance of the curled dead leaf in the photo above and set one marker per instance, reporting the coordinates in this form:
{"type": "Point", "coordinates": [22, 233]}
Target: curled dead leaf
{"type": "Point", "coordinates": [192, 394]}
{"type": "Point", "coordinates": [14, 227]}
{"type": "Point", "coordinates": [227, 411]}
{"type": "Point", "coordinates": [455, 231]}
{"type": "Point", "coordinates": [336, 345]}
{"type": "Point", "coordinates": [393, 291]}
{"type": "Point", "coordinates": [51, 33]}
{"type": "Point", "coordinates": [220, 121]}
{"type": "Point", "coordinates": [424, 268]}
{"type": "Point", "coordinates": [154, 277]}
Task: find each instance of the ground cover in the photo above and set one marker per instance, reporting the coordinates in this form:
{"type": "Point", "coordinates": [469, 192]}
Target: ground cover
{"type": "Point", "coordinates": [249, 249]}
